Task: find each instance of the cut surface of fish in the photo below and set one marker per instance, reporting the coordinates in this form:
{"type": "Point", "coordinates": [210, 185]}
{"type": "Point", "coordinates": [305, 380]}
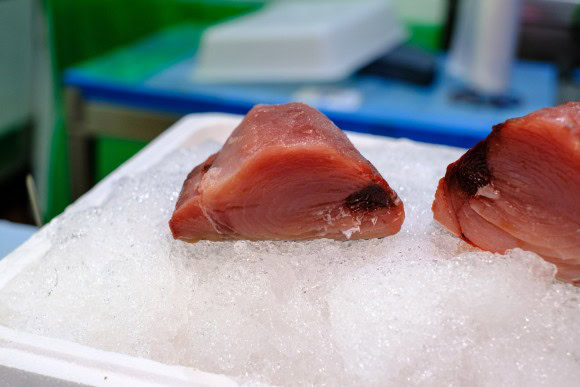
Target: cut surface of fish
{"type": "Point", "coordinates": [286, 173]}
{"type": "Point", "coordinates": [520, 187]}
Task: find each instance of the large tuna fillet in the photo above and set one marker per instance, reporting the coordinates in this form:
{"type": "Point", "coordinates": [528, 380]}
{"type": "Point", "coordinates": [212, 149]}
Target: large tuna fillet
{"type": "Point", "coordinates": [520, 188]}
{"type": "Point", "coordinates": [286, 173]}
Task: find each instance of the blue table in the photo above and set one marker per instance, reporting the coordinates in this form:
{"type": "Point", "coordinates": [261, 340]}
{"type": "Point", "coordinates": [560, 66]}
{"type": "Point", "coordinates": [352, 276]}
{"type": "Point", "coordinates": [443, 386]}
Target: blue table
{"type": "Point", "coordinates": [155, 76]}
{"type": "Point", "coordinates": [13, 235]}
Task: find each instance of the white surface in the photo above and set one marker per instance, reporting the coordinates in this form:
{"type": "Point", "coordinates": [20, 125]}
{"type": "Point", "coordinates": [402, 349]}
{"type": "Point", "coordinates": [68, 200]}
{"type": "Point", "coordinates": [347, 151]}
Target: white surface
{"type": "Point", "coordinates": [34, 360]}
{"type": "Point", "coordinates": [68, 362]}
{"type": "Point", "coordinates": [299, 41]}
{"type": "Point", "coordinates": [418, 308]}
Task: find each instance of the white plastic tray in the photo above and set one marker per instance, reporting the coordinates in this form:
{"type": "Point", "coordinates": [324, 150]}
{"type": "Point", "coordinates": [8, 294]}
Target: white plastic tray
{"type": "Point", "coordinates": [299, 41]}
{"type": "Point", "coordinates": [32, 360]}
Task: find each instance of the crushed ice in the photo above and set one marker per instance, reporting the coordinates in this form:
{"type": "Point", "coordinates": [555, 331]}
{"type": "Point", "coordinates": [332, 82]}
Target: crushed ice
{"type": "Point", "coordinates": [418, 308]}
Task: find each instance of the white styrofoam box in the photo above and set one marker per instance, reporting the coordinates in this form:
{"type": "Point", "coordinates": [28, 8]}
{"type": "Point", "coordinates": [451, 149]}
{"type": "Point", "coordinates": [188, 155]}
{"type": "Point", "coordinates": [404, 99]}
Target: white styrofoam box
{"type": "Point", "coordinates": [299, 41]}
{"type": "Point", "coordinates": [31, 360]}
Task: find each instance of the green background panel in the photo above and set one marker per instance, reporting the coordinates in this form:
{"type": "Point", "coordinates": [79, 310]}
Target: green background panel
{"type": "Point", "coordinates": [81, 30]}
{"type": "Point", "coordinates": [429, 37]}
{"type": "Point", "coordinates": [111, 152]}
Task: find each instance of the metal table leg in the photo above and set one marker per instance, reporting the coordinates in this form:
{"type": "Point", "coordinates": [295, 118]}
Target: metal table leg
{"type": "Point", "coordinates": [88, 120]}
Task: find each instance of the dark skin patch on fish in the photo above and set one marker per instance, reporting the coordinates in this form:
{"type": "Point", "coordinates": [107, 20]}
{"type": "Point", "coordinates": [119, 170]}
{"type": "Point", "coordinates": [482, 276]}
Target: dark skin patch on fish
{"type": "Point", "coordinates": [471, 172]}
{"type": "Point", "coordinates": [209, 162]}
{"type": "Point", "coordinates": [368, 199]}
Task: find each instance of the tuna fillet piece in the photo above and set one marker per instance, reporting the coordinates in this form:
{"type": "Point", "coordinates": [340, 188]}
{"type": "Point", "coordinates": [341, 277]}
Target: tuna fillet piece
{"type": "Point", "coordinates": [520, 187]}
{"type": "Point", "coordinates": [286, 173]}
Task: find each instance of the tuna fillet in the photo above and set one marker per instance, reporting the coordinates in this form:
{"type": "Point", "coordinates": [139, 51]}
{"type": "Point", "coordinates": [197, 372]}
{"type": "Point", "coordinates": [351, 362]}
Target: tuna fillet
{"type": "Point", "coordinates": [286, 173]}
{"type": "Point", "coordinates": [520, 187]}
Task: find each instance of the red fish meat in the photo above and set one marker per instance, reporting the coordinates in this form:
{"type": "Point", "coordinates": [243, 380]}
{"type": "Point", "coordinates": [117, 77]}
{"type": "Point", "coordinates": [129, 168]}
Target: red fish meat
{"type": "Point", "coordinates": [520, 187]}
{"type": "Point", "coordinates": [286, 173]}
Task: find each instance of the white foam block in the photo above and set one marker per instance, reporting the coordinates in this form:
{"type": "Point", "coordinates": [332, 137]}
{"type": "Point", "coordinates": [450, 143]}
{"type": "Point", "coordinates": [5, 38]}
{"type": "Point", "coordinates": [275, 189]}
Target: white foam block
{"type": "Point", "coordinates": [298, 41]}
{"type": "Point", "coordinates": [420, 308]}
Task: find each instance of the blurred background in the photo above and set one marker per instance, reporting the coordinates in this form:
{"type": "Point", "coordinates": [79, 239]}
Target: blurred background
{"type": "Point", "coordinates": [86, 84]}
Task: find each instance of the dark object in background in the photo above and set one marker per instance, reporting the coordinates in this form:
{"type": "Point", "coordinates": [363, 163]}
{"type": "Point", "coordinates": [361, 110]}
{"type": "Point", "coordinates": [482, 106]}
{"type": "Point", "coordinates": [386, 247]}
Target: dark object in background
{"type": "Point", "coordinates": [15, 205]}
{"type": "Point", "coordinates": [405, 62]}
{"type": "Point", "coordinates": [472, 97]}
{"type": "Point", "coordinates": [549, 32]}
{"type": "Point", "coordinates": [450, 25]}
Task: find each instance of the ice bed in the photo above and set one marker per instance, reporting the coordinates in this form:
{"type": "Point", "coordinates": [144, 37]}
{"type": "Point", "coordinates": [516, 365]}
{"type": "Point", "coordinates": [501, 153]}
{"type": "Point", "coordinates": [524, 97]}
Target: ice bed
{"type": "Point", "coordinates": [104, 296]}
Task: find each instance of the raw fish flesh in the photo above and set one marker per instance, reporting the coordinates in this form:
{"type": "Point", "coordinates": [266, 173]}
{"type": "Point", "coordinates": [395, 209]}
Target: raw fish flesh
{"type": "Point", "coordinates": [286, 173]}
{"type": "Point", "coordinates": [520, 187]}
